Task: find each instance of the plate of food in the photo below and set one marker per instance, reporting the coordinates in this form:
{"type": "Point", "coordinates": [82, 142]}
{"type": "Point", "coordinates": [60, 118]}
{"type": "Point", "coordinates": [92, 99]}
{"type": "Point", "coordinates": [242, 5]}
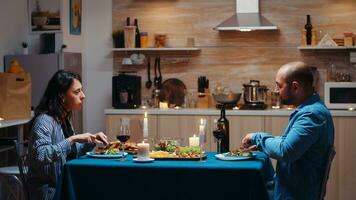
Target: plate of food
{"type": "Point", "coordinates": [180, 153]}
{"type": "Point", "coordinates": [239, 154]}
{"type": "Point", "coordinates": [111, 150]}
{"type": "Point", "coordinates": [109, 154]}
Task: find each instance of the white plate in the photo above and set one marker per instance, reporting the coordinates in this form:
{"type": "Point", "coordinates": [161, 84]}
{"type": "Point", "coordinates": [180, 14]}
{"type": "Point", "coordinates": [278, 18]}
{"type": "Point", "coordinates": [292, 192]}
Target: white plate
{"type": "Point", "coordinates": [94, 155]}
{"type": "Point", "coordinates": [143, 160]}
{"type": "Point", "coordinates": [223, 156]}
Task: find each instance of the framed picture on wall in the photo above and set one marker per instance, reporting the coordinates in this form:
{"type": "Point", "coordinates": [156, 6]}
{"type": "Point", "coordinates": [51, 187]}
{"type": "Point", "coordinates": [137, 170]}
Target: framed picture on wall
{"type": "Point", "coordinates": [44, 15]}
{"type": "Point", "coordinates": [75, 17]}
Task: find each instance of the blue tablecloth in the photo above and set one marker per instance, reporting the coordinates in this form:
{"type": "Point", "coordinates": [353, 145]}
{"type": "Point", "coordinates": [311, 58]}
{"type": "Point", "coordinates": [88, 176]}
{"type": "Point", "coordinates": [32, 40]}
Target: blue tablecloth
{"type": "Point", "coordinates": [90, 178]}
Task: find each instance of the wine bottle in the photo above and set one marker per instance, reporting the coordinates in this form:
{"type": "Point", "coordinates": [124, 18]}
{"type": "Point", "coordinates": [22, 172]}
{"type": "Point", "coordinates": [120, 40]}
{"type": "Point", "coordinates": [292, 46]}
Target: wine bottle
{"type": "Point", "coordinates": [308, 27]}
{"type": "Point", "coordinates": [137, 35]}
{"type": "Point", "coordinates": [223, 123]}
{"type": "Point", "coordinates": [128, 21]}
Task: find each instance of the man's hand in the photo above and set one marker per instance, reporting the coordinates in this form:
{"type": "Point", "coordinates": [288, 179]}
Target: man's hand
{"type": "Point", "coordinates": [247, 141]}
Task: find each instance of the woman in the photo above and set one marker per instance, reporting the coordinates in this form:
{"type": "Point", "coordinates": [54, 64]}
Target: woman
{"type": "Point", "coordinates": [53, 140]}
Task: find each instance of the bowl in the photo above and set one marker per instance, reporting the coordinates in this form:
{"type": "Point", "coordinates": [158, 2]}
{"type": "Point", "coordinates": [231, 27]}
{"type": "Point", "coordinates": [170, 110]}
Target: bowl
{"type": "Point", "coordinates": [230, 98]}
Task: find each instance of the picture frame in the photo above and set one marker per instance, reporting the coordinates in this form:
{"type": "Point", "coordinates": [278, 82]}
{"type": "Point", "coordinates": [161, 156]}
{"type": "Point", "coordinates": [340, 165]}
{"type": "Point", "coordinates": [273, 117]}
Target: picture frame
{"type": "Point", "coordinates": [44, 16]}
{"type": "Point", "coordinates": [75, 17]}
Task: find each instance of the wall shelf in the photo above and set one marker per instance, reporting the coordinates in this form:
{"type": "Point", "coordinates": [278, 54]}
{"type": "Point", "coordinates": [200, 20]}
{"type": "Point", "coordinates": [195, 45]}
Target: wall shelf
{"type": "Point", "coordinates": [165, 52]}
{"type": "Point", "coordinates": [317, 48]}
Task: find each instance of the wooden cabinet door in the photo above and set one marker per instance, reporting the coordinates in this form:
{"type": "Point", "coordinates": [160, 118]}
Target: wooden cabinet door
{"type": "Point", "coordinates": [113, 123]}
{"type": "Point", "coordinates": [239, 126]}
{"type": "Point", "coordinates": [342, 181]}
{"type": "Point", "coordinates": [276, 125]}
{"type": "Point", "coordinates": [182, 127]}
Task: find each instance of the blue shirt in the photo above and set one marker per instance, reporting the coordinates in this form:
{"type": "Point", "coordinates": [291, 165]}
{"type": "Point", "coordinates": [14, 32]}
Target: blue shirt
{"type": "Point", "coordinates": [48, 149]}
{"type": "Point", "coordinates": [301, 151]}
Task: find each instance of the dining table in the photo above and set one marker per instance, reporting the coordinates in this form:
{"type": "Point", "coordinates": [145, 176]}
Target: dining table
{"type": "Point", "coordinates": [97, 178]}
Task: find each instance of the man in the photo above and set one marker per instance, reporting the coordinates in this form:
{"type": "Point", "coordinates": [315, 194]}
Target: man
{"type": "Point", "coordinates": [301, 151]}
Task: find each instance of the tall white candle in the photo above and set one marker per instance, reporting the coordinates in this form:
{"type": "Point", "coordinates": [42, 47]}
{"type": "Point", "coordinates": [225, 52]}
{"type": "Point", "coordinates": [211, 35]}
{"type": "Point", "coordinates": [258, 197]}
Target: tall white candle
{"type": "Point", "coordinates": [194, 141]}
{"type": "Point", "coordinates": [145, 126]}
{"type": "Point", "coordinates": [201, 132]}
{"type": "Point", "coordinates": [143, 150]}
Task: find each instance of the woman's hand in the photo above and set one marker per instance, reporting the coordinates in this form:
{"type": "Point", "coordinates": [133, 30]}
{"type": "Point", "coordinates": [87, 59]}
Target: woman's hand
{"type": "Point", "coordinates": [100, 138]}
{"type": "Point", "coordinates": [82, 138]}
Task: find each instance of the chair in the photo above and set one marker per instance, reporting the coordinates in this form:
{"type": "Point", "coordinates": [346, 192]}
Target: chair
{"type": "Point", "coordinates": [9, 175]}
{"type": "Point", "coordinates": [14, 175]}
{"type": "Point", "coordinates": [22, 166]}
{"type": "Point", "coordinates": [331, 155]}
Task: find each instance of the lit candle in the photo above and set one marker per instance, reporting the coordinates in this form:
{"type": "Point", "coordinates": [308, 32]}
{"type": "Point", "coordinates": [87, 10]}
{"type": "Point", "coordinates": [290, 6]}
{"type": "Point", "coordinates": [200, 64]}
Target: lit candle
{"type": "Point", "coordinates": [163, 105]}
{"type": "Point", "coordinates": [201, 132]}
{"type": "Point", "coordinates": [194, 141]}
{"type": "Point", "coordinates": [145, 126]}
{"type": "Point", "coordinates": [143, 150]}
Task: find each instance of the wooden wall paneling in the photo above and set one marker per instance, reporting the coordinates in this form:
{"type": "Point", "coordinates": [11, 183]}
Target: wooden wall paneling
{"type": "Point", "coordinates": [344, 165]}
{"type": "Point", "coordinates": [246, 55]}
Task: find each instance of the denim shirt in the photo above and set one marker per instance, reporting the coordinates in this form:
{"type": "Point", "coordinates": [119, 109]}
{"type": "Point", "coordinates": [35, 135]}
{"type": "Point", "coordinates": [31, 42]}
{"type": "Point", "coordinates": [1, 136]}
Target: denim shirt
{"type": "Point", "coordinates": [301, 151]}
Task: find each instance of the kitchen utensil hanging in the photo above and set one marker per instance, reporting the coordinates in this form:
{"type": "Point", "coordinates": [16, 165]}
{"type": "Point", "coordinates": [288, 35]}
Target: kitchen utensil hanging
{"type": "Point", "coordinates": [149, 82]}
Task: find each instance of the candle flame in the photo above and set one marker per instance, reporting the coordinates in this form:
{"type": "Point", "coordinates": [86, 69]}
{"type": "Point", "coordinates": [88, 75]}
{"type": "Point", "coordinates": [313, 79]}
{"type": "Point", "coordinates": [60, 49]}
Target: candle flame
{"type": "Point", "coordinates": [201, 121]}
{"type": "Point", "coordinates": [194, 135]}
{"type": "Point", "coordinates": [145, 114]}
{"type": "Point", "coordinates": [143, 142]}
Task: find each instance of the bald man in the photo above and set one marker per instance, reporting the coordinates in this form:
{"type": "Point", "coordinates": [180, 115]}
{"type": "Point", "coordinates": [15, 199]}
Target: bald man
{"type": "Point", "coordinates": [301, 151]}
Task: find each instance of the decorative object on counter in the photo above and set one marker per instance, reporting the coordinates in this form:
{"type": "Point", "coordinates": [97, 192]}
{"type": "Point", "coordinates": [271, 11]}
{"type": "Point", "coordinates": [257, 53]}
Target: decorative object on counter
{"type": "Point", "coordinates": [130, 33]}
{"type": "Point", "coordinates": [192, 98]}
{"type": "Point", "coordinates": [342, 75]}
{"type": "Point", "coordinates": [203, 83]}
{"type": "Point", "coordinates": [137, 35]}
{"type": "Point", "coordinates": [308, 28]}
{"type": "Point", "coordinates": [128, 21]}
{"type": "Point", "coordinates": [275, 100]}
{"type": "Point", "coordinates": [24, 48]}
{"type": "Point", "coordinates": [327, 41]}
{"type": "Point", "coordinates": [173, 92]}
{"type": "Point", "coordinates": [126, 91]}
{"type": "Point", "coordinates": [254, 95]}
{"type": "Point", "coordinates": [348, 39]}
{"type": "Point", "coordinates": [226, 97]}
{"type": "Point", "coordinates": [118, 38]}
{"type": "Point", "coordinates": [163, 105]}
{"type": "Point", "coordinates": [160, 40]}
{"type": "Point", "coordinates": [330, 72]}
{"type": "Point", "coordinates": [144, 39]}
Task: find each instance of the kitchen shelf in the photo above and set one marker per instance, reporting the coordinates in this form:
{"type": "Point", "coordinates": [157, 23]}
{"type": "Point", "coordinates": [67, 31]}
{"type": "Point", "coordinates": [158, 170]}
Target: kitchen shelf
{"type": "Point", "coordinates": [169, 51]}
{"type": "Point", "coordinates": [156, 49]}
{"type": "Point", "coordinates": [316, 48]}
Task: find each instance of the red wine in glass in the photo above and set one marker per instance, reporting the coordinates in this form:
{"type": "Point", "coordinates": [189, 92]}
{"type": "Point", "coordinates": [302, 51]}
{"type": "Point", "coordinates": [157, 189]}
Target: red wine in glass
{"type": "Point", "coordinates": [123, 138]}
{"type": "Point", "coordinates": [219, 134]}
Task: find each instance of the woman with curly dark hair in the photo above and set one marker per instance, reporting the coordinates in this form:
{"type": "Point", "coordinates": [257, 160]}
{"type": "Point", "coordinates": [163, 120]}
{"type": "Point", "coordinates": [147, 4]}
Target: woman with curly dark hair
{"type": "Point", "coordinates": [52, 139]}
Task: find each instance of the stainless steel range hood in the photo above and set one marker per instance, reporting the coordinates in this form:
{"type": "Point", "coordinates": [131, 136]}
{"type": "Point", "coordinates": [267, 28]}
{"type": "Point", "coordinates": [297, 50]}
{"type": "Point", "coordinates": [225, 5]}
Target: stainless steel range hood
{"type": "Point", "coordinates": [247, 18]}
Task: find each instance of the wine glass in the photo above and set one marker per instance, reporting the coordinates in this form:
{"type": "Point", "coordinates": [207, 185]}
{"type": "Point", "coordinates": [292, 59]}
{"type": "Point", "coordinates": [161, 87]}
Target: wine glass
{"type": "Point", "coordinates": [219, 134]}
{"type": "Point", "coordinates": [123, 136]}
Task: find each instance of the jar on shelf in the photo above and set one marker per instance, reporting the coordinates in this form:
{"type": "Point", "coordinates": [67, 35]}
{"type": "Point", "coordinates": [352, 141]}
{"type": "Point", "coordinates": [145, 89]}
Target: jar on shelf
{"type": "Point", "coordinates": [348, 39]}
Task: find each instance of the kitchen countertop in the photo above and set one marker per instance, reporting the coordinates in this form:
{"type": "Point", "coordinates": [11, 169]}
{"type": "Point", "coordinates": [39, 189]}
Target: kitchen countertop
{"type": "Point", "coordinates": [214, 111]}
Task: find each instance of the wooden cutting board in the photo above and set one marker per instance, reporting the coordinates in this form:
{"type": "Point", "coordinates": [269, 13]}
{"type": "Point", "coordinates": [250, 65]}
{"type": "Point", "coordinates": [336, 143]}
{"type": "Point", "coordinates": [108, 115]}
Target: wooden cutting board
{"type": "Point", "coordinates": [173, 92]}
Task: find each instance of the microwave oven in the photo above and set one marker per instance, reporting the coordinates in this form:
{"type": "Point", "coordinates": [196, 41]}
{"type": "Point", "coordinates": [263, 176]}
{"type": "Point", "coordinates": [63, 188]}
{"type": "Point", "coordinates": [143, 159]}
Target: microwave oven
{"type": "Point", "coordinates": [340, 95]}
